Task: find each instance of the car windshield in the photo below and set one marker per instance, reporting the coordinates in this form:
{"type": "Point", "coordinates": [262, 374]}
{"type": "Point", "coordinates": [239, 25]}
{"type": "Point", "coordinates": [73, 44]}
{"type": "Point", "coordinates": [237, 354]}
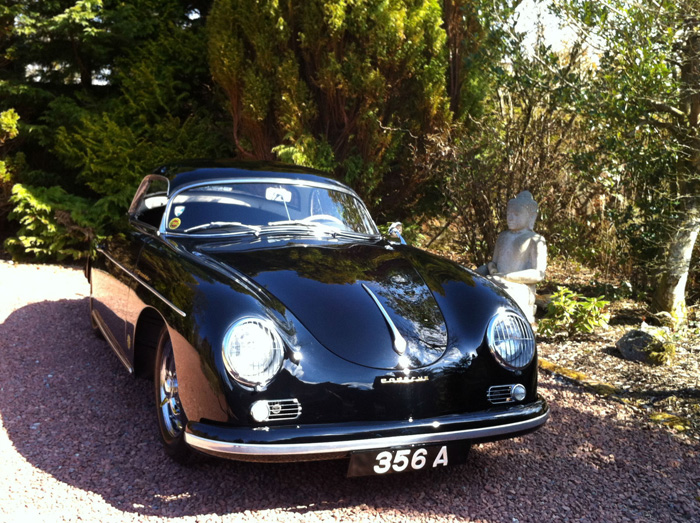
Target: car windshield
{"type": "Point", "coordinates": [257, 207]}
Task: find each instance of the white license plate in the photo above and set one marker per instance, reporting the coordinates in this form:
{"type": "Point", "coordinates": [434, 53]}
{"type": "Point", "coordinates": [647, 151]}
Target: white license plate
{"type": "Point", "coordinates": [397, 460]}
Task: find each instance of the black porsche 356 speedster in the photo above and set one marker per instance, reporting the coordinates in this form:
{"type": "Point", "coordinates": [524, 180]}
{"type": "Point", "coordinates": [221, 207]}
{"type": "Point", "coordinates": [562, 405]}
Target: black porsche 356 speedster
{"type": "Point", "coordinates": [279, 325]}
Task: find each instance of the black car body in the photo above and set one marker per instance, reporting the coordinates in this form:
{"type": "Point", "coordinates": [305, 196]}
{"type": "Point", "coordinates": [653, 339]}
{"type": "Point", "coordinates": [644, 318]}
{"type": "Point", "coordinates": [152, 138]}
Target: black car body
{"type": "Point", "coordinates": [278, 324]}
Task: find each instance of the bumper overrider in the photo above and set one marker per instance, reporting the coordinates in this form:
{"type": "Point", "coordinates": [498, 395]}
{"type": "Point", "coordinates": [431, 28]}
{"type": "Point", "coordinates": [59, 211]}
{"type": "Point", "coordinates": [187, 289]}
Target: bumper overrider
{"type": "Point", "coordinates": [338, 440]}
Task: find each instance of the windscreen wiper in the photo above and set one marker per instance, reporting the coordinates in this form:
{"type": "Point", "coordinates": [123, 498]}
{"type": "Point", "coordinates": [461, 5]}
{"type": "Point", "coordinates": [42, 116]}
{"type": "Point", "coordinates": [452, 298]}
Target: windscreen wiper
{"type": "Point", "coordinates": [332, 231]}
{"type": "Point", "coordinates": [287, 225]}
{"type": "Point", "coordinates": [216, 225]}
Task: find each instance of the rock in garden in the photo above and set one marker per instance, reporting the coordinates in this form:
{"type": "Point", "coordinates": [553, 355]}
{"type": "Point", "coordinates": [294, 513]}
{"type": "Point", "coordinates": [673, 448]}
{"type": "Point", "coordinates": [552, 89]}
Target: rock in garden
{"type": "Point", "coordinates": [634, 345]}
{"type": "Point", "coordinates": [639, 345]}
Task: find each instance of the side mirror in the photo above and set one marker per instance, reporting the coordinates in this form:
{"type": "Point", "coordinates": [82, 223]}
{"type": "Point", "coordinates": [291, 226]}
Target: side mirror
{"type": "Point", "coordinates": [395, 230]}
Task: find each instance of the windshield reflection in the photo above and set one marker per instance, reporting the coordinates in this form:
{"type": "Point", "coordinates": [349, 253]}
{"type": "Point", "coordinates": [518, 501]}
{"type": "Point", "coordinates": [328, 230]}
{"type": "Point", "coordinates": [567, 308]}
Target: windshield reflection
{"type": "Point", "coordinates": [263, 206]}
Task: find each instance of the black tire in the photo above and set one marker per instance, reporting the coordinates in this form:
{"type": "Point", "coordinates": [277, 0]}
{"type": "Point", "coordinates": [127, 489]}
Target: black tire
{"type": "Point", "coordinates": [171, 416]}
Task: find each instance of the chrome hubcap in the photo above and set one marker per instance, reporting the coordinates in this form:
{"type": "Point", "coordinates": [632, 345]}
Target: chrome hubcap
{"type": "Point", "coordinates": [169, 399]}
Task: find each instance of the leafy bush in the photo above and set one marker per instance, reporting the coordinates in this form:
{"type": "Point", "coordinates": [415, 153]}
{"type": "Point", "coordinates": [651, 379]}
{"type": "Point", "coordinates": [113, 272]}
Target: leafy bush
{"type": "Point", "coordinates": [572, 313]}
{"type": "Point", "coordinates": [53, 223]}
{"type": "Point", "coordinates": [8, 130]}
{"type": "Point", "coordinates": [8, 125]}
{"type": "Point", "coordinates": [104, 145]}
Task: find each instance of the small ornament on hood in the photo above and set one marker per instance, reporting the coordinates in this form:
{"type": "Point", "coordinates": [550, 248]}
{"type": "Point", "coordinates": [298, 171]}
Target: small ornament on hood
{"type": "Point", "coordinates": [399, 279]}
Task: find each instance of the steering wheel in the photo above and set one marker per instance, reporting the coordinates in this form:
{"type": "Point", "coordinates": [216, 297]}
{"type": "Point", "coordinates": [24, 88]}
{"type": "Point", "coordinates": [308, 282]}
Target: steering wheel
{"type": "Point", "coordinates": [324, 218]}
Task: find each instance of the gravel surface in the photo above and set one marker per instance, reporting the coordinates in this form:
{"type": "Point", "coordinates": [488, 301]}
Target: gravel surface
{"type": "Point", "coordinates": [669, 394]}
{"type": "Point", "coordinates": [78, 441]}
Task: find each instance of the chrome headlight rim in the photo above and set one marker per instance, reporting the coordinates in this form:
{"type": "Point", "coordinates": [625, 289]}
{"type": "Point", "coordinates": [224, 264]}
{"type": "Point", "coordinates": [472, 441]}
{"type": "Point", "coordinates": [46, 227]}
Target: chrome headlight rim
{"type": "Point", "coordinates": [508, 327]}
{"type": "Point", "coordinates": [272, 365]}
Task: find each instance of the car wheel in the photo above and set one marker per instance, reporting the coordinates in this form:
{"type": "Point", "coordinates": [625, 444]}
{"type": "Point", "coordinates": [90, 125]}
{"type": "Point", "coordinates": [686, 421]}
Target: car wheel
{"type": "Point", "coordinates": [171, 416]}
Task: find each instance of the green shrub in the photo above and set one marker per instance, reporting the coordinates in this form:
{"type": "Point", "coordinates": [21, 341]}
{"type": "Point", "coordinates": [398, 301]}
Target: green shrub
{"type": "Point", "coordinates": [8, 130]}
{"type": "Point", "coordinates": [572, 313]}
{"type": "Point", "coordinates": [53, 223]}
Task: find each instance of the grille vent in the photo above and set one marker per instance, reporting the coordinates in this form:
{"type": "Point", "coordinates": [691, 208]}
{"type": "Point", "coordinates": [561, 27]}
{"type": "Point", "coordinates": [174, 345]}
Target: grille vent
{"type": "Point", "coordinates": [281, 410]}
{"type": "Point", "coordinates": [500, 394]}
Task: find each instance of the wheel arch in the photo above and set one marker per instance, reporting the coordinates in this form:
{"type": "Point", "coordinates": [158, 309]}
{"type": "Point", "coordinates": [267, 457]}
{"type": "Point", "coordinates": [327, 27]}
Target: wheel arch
{"type": "Point", "coordinates": [146, 335]}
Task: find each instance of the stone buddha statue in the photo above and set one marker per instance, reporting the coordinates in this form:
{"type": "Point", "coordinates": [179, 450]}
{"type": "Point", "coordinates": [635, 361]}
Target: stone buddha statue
{"type": "Point", "coordinates": [520, 257]}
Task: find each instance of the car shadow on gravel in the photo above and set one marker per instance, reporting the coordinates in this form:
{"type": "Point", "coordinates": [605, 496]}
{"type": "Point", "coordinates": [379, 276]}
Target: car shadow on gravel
{"type": "Point", "coordinates": [71, 410]}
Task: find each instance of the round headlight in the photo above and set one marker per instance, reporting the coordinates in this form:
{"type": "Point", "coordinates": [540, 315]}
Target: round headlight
{"type": "Point", "coordinates": [253, 351]}
{"type": "Point", "coordinates": [511, 340]}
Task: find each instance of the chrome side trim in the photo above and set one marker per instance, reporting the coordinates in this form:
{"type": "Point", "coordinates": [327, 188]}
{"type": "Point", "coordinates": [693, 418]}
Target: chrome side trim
{"type": "Point", "coordinates": [111, 341]}
{"type": "Point", "coordinates": [399, 341]}
{"type": "Point", "coordinates": [338, 447]}
{"type": "Point", "coordinates": [142, 282]}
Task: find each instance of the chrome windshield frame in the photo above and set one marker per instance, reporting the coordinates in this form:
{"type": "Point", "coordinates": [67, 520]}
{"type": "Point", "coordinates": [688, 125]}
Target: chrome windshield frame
{"type": "Point", "coordinates": [281, 180]}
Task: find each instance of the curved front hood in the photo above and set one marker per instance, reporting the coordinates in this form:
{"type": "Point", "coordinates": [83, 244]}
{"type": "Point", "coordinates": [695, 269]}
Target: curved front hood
{"type": "Point", "coordinates": [356, 300]}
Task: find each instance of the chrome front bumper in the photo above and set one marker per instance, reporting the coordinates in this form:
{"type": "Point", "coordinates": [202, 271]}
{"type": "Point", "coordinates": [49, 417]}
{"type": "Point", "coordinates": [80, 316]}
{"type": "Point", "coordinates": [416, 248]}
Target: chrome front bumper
{"type": "Point", "coordinates": [311, 442]}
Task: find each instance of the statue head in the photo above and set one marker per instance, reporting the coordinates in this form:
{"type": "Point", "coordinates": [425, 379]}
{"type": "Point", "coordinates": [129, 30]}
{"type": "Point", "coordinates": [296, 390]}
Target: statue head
{"type": "Point", "coordinates": [522, 212]}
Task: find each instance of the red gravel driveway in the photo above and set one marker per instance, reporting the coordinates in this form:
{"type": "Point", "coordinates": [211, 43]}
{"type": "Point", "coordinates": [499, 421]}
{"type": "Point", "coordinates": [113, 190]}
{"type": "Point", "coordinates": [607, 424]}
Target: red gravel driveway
{"type": "Point", "coordinates": [78, 441]}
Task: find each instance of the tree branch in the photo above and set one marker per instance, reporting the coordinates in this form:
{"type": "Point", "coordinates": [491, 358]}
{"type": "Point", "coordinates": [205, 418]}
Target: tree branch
{"type": "Point", "coordinates": [665, 108]}
{"type": "Point", "coordinates": [659, 124]}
